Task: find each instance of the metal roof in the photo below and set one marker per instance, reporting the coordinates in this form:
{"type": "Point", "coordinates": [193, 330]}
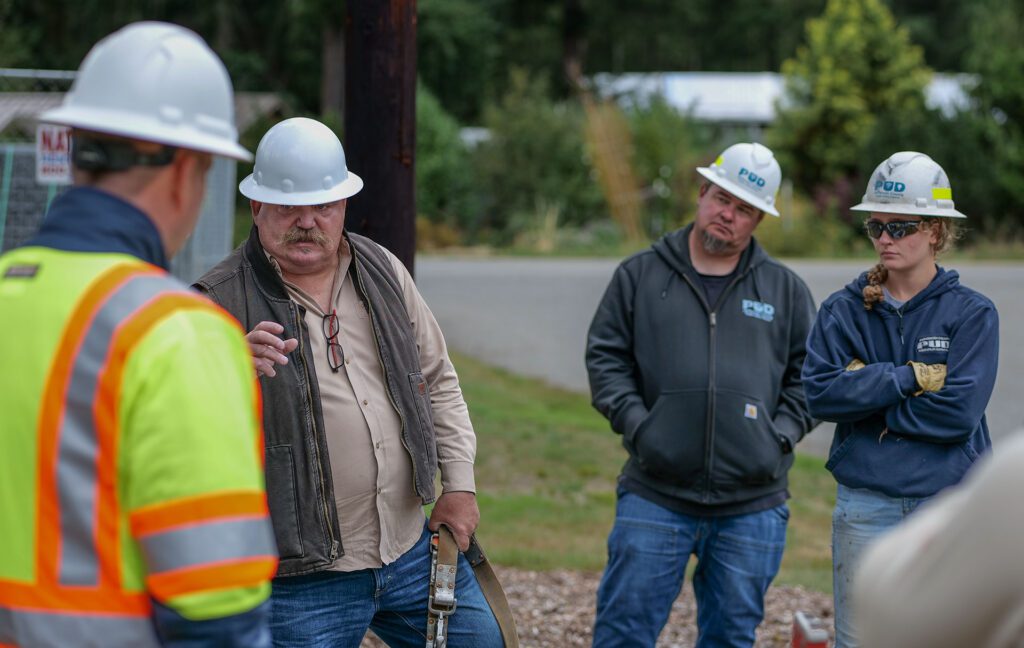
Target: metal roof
{"type": "Point", "coordinates": [747, 97]}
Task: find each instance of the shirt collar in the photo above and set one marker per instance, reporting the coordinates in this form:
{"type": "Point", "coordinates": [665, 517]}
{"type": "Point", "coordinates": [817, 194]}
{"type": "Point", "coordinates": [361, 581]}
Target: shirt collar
{"type": "Point", "coordinates": [86, 219]}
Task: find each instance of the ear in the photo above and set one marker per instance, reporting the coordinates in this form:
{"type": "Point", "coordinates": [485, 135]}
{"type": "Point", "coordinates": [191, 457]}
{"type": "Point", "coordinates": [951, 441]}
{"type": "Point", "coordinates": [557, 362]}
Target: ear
{"type": "Point", "coordinates": [187, 173]}
{"type": "Point", "coordinates": [255, 207]}
{"type": "Point", "coordinates": [704, 189]}
{"type": "Point", "coordinates": [934, 233]}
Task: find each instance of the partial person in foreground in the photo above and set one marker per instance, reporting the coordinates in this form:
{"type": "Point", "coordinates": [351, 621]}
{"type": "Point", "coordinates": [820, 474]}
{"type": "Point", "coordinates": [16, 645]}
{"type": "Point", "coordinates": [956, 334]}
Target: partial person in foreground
{"type": "Point", "coordinates": [904, 361]}
{"type": "Point", "coordinates": [952, 575]}
{"type": "Point", "coordinates": [132, 510]}
{"type": "Point", "coordinates": [361, 407]}
{"type": "Point", "coordinates": [694, 356]}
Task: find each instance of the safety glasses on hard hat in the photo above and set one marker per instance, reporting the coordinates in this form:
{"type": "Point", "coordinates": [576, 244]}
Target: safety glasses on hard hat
{"type": "Point", "coordinates": [896, 229]}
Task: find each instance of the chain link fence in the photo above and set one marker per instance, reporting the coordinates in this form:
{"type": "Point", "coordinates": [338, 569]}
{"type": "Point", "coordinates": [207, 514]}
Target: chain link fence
{"type": "Point", "coordinates": [24, 94]}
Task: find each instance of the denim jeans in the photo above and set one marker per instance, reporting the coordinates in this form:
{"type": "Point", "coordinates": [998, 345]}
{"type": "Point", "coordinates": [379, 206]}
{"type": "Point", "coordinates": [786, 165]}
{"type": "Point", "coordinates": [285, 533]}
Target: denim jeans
{"type": "Point", "coordinates": [649, 546]}
{"type": "Point", "coordinates": [860, 516]}
{"type": "Point", "coordinates": [335, 608]}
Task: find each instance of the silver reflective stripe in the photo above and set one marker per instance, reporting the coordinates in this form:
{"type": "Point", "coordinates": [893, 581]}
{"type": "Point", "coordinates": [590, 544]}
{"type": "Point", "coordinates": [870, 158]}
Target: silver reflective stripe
{"type": "Point", "coordinates": [58, 630]}
{"type": "Point", "coordinates": [208, 543]}
{"type": "Point", "coordinates": [78, 446]}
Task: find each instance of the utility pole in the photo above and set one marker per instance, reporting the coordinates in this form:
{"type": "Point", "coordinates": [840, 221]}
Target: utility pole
{"type": "Point", "coordinates": [380, 121]}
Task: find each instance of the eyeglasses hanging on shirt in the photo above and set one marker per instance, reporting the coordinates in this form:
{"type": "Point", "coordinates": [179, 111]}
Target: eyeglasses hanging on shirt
{"type": "Point", "coordinates": [335, 354]}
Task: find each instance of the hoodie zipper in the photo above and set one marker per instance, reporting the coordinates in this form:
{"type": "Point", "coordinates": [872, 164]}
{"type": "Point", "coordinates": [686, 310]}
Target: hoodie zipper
{"type": "Point", "coordinates": [709, 426]}
{"type": "Point", "coordinates": [316, 443]}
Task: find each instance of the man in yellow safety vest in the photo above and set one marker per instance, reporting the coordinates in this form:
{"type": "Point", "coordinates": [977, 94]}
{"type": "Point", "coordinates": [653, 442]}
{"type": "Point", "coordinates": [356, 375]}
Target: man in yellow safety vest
{"type": "Point", "coordinates": [132, 505]}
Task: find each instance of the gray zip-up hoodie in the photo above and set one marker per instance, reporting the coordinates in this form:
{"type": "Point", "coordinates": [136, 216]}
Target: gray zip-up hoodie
{"type": "Point", "coordinates": [707, 397]}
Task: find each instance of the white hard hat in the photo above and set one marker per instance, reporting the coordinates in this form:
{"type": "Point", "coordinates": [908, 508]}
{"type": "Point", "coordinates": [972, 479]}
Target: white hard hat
{"type": "Point", "coordinates": [909, 183]}
{"type": "Point", "coordinates": [156, 82]}
{"type": "Point", "coordinates": [300, 162]}
{"type": "Point", "coordinates": [748, 171]}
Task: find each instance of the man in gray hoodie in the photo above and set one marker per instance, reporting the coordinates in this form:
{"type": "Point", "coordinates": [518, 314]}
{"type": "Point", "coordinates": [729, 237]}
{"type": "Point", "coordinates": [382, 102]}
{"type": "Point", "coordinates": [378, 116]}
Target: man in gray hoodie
{"type": "Point", "coordinates": [694, 356]}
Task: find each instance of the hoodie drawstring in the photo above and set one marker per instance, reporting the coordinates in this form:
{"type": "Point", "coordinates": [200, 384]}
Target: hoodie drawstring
{"type": "Point", "coordinates": [664, 291]}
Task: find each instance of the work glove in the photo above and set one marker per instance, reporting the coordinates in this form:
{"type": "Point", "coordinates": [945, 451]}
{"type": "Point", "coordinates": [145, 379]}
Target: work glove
{"type": "Point", "coordinates": [855, 364]}
{"type": "Point", "coordinates": [930, 377]}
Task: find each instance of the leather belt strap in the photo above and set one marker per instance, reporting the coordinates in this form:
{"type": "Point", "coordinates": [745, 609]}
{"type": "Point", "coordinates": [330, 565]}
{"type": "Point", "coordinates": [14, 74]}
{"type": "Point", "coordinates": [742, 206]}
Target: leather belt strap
{"type": "Point", "coordinates": [448, 550]}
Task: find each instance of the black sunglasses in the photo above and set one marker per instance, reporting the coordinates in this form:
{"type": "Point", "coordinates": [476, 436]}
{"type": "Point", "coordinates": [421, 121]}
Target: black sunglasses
{"type": "Point", "coordinates": [335, 354]}
{"type": "Point", "coordinates": [896, 229]}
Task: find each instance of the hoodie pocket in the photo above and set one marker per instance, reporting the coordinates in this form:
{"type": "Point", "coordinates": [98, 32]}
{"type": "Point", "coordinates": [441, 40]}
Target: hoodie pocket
{"type": "Point", "coordinates": [747, 449]}
{"type": "Point", "coordinates": [669, 442]}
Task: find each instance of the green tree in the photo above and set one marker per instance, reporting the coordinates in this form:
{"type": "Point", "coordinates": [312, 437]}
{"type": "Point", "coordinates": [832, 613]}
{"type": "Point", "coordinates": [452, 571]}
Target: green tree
{"type": "Point", "coordinates": [534, 164]}
{"type": "Point", "coordinates": [458, 46]}
{"type": "Point", "coordinates": [996, 55]}
{"type": "Point", "coordinates": [856, 64]}
{"type": "Point", "coordinates": [443, 173]}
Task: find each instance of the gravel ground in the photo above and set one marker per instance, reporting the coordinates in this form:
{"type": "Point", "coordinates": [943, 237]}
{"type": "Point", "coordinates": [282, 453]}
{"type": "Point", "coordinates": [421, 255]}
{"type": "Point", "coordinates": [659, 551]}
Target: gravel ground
{"type": "Point", "coordinates": [556, 610]}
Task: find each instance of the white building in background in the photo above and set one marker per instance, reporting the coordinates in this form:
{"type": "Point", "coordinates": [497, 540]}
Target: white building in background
{"type": "Point", "coordinates": [746, 100]}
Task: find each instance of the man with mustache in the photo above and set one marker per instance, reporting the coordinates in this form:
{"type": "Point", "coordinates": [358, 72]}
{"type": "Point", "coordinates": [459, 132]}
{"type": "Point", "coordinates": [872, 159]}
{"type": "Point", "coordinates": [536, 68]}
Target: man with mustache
{"type": "Point", "coordinates": [694, 356]}
{"type": "Point", "coordinates": [361, 408]}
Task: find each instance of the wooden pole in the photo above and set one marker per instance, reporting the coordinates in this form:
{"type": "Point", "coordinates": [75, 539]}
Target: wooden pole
{"type": "Point", "coordinates": [380, 121]}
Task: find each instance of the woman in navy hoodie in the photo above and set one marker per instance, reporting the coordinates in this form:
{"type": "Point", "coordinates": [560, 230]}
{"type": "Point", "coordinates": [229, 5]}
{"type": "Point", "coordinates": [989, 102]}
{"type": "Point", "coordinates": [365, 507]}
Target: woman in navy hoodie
{"type": "Point", "coordinates": [903, 359]}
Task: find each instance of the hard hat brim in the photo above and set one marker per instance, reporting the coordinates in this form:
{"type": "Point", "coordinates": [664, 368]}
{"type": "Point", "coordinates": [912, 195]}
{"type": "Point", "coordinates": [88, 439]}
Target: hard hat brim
{"type": "Point", "coordinates": [737, 191]}
{"type": "Point", "coordinates": [347, 188]}
{"type": "Point", "coordinates": [149, 130]}
{"type": "Point", "coordinates": [909, 210]}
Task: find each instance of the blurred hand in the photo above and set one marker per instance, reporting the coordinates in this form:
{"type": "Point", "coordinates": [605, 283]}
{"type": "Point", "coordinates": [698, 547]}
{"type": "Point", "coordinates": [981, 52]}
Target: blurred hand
{"type": "Point", "coordinates": [267, 347]}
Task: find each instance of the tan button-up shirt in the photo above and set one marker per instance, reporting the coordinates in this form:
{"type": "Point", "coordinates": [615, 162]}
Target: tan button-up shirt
{"type": "Point", "coordinates": [381, 517]}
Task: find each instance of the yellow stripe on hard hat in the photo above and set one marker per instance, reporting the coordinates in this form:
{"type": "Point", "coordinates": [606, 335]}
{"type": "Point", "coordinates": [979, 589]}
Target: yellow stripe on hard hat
{"type": "Point", "coordinates": [942, 193]}
{"type": "Point", "coordinates": [718, 162]}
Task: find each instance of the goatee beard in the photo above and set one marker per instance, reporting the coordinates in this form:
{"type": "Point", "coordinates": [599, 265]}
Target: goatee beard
{"type": "Point", "coordinates": [711, 244]}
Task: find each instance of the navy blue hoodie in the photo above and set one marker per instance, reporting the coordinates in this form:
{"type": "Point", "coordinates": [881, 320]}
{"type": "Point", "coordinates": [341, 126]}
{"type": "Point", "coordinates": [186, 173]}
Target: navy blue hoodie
{"type": "Point", "coordinates": [887, 439]}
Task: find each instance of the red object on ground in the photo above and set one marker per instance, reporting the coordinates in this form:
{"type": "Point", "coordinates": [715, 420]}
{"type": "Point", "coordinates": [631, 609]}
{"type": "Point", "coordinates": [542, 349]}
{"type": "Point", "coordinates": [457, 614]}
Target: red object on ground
{"type": "Point", "coordinates": [809, 632]}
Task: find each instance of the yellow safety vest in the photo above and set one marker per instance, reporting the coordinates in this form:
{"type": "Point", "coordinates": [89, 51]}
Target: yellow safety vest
{"type": "Point", "coordinates": [130, 453]}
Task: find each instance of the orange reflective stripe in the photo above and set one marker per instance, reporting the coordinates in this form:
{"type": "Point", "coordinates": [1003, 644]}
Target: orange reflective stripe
{"type": "Point", "coordinates": [52, 410]}
{"type": "Point", "coordinates": [81, 599]}
{"type": "Point", "coordinates": [217, 576]}
{"type": "Point", "coordinates": [261, 447]}
{"type": "Point", "coordinates": [108, 396]}
{"type": "Point", "coordinates": [201, 508]}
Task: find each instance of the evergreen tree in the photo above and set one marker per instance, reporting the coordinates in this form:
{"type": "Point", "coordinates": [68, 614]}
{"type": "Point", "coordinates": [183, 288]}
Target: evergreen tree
{"type": "Point", "coordinates": [856, 67]}
{"type": "Point", "coordinates": [996, 56]}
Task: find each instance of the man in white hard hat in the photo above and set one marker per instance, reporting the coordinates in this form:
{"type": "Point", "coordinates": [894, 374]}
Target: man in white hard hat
{"type": "Point", "coordinates": [361, 407]}
{"type": "Point", "coordinates": [694, 357]}
{"type": "Point", "coordinates": [131, 477]}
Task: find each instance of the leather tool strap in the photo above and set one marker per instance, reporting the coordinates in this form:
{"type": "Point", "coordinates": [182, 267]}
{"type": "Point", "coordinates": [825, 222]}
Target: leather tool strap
{"type": "Point", "coordinates": [492, 590]}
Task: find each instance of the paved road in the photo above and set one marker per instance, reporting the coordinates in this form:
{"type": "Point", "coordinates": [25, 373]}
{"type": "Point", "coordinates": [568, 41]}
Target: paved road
{"type": "Point", "coordinates": [530, 316]}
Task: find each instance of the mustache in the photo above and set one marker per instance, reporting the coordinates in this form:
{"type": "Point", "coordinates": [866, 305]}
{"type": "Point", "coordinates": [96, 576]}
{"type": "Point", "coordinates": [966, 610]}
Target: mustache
{"type": "Point", "coordinates": [299, 235]}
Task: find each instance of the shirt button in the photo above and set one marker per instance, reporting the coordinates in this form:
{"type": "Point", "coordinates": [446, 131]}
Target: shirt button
{"type": "Point", "coordinates": [380, 490]}
{"type": "Point", "coordinates": [365, 402]}
{"type": "Point", "coordinates": [378, 445]}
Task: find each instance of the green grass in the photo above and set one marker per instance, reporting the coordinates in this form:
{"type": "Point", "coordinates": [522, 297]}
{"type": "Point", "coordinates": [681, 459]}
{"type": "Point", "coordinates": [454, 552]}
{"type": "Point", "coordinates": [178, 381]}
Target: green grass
{"type": "Point", "coordinates": [546, 469]}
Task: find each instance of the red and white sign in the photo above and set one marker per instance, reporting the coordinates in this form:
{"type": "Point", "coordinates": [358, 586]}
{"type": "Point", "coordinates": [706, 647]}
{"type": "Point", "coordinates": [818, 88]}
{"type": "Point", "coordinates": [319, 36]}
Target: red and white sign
{"type": "Point", "coordinates": [53, 154]}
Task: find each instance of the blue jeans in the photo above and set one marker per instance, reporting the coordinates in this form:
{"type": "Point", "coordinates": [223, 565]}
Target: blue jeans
{"type": "Point", "coordinates": [737, 558]}
{"type": "Point", "coordinates": [335, 608]}
{"type": "Point", "coordinates": [860, 516]}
